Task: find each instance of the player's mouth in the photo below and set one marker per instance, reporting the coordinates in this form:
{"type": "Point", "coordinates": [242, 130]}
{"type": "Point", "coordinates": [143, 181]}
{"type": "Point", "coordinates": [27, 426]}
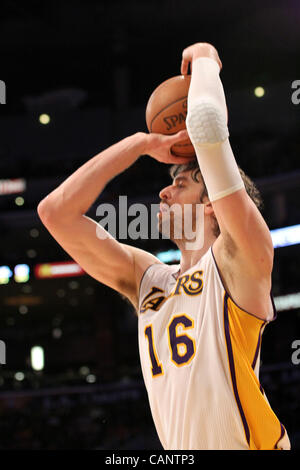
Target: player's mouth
{"type": "Point", "coordinates": [164, 207]}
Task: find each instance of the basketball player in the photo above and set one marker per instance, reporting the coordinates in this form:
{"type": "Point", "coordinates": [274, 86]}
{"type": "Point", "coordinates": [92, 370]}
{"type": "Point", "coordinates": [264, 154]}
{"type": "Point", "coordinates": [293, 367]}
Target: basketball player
{"type": "Point", "coordinates": [201, 321]}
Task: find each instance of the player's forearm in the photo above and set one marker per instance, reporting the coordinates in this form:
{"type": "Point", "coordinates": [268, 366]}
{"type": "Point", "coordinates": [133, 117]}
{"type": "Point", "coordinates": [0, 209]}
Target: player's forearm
{"type": "Point", "coordinates": [206, 83]}
{"type": "Point", "coordinates": [79, 191]}
{"type": "Point", "coordinates": [207, 126]}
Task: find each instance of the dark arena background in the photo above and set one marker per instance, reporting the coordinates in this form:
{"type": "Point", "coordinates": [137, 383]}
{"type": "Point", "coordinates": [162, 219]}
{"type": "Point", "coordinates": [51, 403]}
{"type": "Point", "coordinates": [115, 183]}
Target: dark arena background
{"type": "Point", "coordinates": [77, 77]}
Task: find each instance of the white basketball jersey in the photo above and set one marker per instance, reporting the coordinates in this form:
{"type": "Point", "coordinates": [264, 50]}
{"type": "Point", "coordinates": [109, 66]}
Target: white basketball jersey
{"type": "Point", "coordinates": [200, 358]}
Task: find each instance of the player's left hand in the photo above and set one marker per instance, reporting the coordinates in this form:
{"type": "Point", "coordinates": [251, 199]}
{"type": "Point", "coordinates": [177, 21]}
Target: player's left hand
{"type": "Point", "coordinates": [200, 49]}
{"type": "Point", "coordinates": [158, 146]}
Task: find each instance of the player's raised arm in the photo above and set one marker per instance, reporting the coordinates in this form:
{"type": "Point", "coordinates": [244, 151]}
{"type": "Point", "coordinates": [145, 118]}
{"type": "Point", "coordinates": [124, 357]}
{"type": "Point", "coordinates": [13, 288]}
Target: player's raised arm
{"type": "Point", "coordinates": [115, 264]}
{"type": "Point", "coordinates": [239, 219]}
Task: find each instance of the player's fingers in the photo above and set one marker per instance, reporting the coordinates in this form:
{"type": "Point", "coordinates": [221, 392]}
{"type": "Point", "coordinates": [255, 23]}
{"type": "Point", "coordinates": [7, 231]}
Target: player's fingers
{"type": "Point", "coordinates": [181, 135]}
{"type": "Point", "coordinates": [186, 59]}
{"type": "Point", "coordinates": [173, 158]}
{"type": "Point", "coordinates": [184, 67]}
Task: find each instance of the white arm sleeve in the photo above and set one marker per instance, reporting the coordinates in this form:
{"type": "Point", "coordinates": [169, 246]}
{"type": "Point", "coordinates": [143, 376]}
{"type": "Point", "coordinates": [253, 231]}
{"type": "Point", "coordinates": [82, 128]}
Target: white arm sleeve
{"type": "Point", "coordinates": [206, 123]}
{"type": "Point", "coordinates": [206, 86]}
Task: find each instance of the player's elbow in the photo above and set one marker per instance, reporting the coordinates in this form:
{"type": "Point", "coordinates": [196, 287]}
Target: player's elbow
{"type": "Point", "coordinates": [206, 122]}
{"type": "Point", "coordinates": [45, 211]}
{"type": "Point", "coordinates": [41, 210]}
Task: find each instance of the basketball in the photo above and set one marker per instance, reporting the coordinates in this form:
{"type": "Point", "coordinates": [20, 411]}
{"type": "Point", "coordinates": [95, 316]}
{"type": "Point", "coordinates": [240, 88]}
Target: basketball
{"type": "Point", "coordinates": [167, 109]}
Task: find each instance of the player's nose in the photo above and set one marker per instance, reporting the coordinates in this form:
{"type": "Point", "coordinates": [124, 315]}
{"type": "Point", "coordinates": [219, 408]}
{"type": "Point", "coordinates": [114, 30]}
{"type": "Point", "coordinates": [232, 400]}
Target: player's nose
{"type": "Point", "coordinates": [165, 193]}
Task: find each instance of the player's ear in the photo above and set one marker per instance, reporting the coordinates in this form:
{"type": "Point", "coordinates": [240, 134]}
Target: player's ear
{"type": "Point", "coordinates": [208, 208]}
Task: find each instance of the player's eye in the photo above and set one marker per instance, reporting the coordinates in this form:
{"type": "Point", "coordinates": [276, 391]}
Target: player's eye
{"type": "Point", "coordinates": [179, 183]}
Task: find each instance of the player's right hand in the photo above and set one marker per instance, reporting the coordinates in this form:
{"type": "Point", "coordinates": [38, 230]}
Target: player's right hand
{"type": "Point", "coordinates": [200, 49]}
{"type": "Point", "coordinates": [158, 146]}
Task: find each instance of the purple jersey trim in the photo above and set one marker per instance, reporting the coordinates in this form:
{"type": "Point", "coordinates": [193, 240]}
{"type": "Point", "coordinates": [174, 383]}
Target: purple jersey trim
{"type": "Point", "coordinates": [232, 368]}
{"type": "Point", "coordinates": [258, 346]}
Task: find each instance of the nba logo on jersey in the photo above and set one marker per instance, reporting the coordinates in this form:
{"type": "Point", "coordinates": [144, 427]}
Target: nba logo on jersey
{"type": "Point", "coordinates": [2, 92]}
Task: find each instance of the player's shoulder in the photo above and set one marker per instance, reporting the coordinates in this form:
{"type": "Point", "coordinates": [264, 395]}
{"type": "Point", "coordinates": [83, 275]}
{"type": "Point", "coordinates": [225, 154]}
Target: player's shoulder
{"type": "Point", "coordinates": [142, 260]}
{"type": "Point", "coordinates": [142, 256]}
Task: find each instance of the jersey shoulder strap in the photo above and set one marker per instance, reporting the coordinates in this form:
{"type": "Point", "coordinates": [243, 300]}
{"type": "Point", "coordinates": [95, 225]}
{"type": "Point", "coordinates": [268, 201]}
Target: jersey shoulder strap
{"type": "Point", "coordinates": [156, 279]}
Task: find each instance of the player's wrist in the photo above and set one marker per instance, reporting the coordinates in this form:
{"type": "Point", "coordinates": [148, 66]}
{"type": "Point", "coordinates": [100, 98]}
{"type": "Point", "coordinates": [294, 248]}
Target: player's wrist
{"type": "Point", "coordinates": [206, 60]}
{"type": "Point", "coordinates": [206, 51]}
{"type": "Point", "coordinates": [138, 142]}
{"type": "Point", "coordinates": [147, 142]}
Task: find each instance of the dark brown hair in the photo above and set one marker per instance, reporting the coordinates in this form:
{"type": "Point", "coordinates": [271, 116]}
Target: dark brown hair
{"type": "Point", "coordinates": [196, 175]}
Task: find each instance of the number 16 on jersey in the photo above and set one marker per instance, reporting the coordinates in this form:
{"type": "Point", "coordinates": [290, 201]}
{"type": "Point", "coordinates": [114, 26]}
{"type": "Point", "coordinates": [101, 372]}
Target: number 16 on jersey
{"type": "Point", "coordinates": [182, 346]}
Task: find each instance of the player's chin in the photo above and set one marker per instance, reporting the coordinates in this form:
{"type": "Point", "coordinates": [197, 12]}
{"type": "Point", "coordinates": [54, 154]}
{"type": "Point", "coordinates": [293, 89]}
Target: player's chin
{"type": "Point", "coordinates": [165, 226]}
{"type": "Point", "coordinates": [160, 225]}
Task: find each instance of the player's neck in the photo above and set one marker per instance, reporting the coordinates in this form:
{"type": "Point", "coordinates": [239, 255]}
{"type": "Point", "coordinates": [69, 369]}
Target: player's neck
{"type": "Point", "coordinates": [189, 257]}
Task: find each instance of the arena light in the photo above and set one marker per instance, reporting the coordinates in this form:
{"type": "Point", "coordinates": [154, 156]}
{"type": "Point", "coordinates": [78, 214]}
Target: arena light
{"type": "Point", "coordinates": [281, 237]}
{"type": "Point", "coordinates": [19, 201]}
{"type": "Point", "coordinates": [259, 92]}
{"type": "Point", "coordinates": [60, 269]}
{"type": "Point", "coordinates": [19, 376]}
{"type": "Point", "coordinates": [169, 256]}
{"type": "Point", "coordinates": [5, 274]}
{"type": "Point", "coordinates": [34, 233]}
{"type": "Point", "coordinates": [56, 333]}
{"type": "Point", "coordinates": [84, 370]}
{"type": "Point", "coordinates": [23, 309]}
{"type": "Point", "coordinates": [286, 236]}
{"type": "Point", "coordinates": [287, 302]}
{"type": "Point", "coordinates": [44, 119]}
{"type": "Point", "coordinates": [37, 358]}
{"type": "Point", "coordinates": [21, 273]}
{"type": "Point", "coordinates": [91, 378]}
{"type": "Point", "coordinates": [11, 186]}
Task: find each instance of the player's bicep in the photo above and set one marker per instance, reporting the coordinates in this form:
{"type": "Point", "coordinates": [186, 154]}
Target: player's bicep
{"type": "Point", "coordinates": [96, 251]}
{"type": "Point", "coordinates": [242, 224]}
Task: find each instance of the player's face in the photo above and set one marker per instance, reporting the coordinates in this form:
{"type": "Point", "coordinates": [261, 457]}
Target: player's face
{"type": "Point", "coordinates": [178, 206]}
